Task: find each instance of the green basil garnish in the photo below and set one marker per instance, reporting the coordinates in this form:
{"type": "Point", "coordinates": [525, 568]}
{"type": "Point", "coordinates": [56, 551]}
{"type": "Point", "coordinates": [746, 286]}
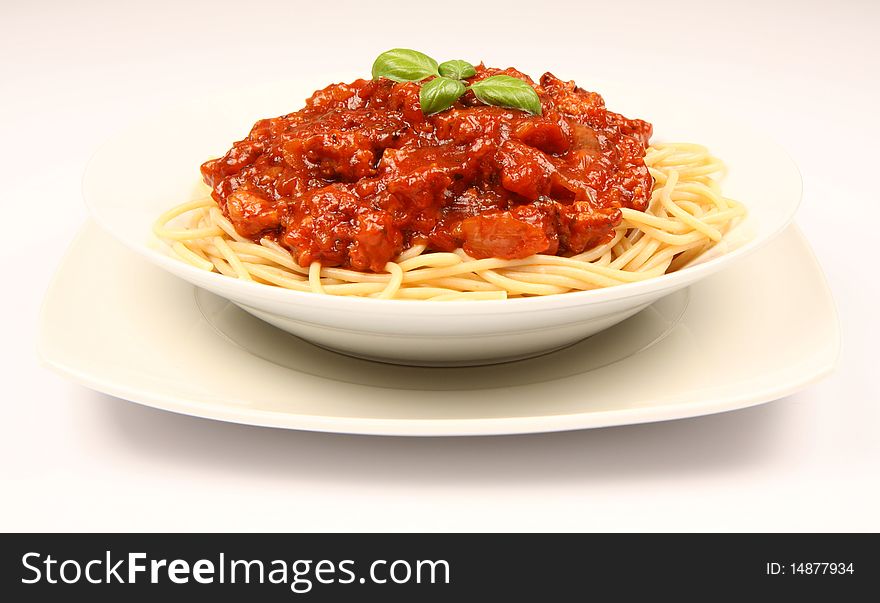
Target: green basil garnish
{"type": "Point", "coordinates": [457, 69]}
{"type": "Point", "coordinates": [439, 94]}
{"type": "Point", "coordinates": [404, 65]}
{"type": "Point", "coordinates": [507, 91]}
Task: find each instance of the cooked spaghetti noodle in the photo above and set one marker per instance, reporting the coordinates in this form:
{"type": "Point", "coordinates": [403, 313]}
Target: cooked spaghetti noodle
{"type": "Point", "coordinates": [687, 215]}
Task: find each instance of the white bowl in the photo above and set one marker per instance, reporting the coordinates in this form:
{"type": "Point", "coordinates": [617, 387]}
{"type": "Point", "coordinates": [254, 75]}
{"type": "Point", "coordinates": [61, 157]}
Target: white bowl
{"type": "Point", "coordinates": [153, 166]}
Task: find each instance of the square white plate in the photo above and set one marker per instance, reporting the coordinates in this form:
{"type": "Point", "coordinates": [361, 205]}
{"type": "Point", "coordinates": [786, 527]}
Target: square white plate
{"type": "Point", "coordinates": [759, 330]}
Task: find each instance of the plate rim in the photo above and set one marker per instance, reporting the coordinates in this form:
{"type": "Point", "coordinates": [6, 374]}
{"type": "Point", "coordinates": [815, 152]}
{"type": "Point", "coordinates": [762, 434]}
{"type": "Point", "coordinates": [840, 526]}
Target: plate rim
{"type": "Point", "coordinates": [440, 427]}
{"type": "Point", "coordinates": [496, 426]}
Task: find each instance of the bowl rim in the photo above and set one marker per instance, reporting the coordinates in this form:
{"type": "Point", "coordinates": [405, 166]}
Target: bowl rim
{"type": "Point", "coordinates": [217, 282]}
{"type": "Point", "coordinates": [242, 290]}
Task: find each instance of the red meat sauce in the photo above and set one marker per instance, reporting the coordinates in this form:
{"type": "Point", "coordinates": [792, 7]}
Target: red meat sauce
{"type": "Point", "coordinates": [360, 175]}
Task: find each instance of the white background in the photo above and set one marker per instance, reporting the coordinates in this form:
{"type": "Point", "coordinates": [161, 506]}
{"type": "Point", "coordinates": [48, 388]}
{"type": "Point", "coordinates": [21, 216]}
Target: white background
{"type": "Point", "coordinates": [72, 73]}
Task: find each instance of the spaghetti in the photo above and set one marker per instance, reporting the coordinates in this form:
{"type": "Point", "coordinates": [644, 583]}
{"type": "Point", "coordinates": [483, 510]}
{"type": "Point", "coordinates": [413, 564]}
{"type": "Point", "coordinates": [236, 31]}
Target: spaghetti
{"type": "Point", "coordinates": [687, 215]}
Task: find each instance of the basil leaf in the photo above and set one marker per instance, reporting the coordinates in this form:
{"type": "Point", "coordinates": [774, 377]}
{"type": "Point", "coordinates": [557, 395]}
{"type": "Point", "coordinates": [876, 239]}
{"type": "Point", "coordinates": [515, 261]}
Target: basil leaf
{"type": "Point", "coordinates": [404, 65]}
{"type": "Point", "coordinates": [439, 94]}
{"type": "Point", "coordinates": [457, 69]}
{"type": "Point", "coordinates": [507, 91]}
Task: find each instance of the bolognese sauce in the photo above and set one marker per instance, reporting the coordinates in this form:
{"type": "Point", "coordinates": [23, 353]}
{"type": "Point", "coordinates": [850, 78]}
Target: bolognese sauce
{"type": "Point", "coordinates": [360, 174]}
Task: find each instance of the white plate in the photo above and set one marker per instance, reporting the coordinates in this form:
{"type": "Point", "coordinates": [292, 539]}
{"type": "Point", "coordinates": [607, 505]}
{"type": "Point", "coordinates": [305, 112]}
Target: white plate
{"type": "Point", "coordinates": [760, 330]}
{"type": "Point", "coordinates": [153, 166]}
